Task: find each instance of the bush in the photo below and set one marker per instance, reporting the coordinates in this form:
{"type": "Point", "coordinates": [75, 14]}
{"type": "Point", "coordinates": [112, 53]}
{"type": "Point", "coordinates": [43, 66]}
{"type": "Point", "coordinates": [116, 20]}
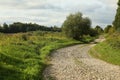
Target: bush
{"type": "Point", "coordinates": [114, 40]}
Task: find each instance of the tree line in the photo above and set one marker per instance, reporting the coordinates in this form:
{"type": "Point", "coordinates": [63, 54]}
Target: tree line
{"type": "Point", "coordinates": [25, 27]}
{"type": "Point", "coordinates": [75, 26]}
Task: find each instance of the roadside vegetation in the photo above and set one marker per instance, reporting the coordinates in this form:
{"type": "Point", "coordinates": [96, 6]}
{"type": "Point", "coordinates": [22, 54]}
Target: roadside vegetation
{"type": "Point", "coordinates": [109, 50]}
{"type": "Point", "coordinates": [23, 56]}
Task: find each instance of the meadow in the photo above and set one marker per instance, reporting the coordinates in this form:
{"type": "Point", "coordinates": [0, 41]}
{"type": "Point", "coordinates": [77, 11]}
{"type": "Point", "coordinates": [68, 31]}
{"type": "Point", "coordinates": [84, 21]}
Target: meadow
{"type": "Point", "coordinates": [23, 56]}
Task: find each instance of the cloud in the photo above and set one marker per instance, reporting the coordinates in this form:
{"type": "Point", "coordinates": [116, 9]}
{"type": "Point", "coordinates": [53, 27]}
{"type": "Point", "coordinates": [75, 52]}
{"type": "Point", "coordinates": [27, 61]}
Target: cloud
{"type": "Point", "coordinates": [54, 12]}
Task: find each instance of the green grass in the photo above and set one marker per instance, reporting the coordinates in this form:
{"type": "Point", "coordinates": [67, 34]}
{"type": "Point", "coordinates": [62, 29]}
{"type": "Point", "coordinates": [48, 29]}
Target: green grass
{"type": "Point", "coordinates": [108, 51]}
{"type": "Point", "coordinates": [23, 56]}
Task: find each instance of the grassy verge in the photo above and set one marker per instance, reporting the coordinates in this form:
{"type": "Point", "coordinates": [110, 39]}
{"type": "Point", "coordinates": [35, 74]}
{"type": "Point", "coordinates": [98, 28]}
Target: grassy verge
{"type": "Point", "coordinates": [23, 56]}
{"type": "Point", "coordinates": [108, 51]}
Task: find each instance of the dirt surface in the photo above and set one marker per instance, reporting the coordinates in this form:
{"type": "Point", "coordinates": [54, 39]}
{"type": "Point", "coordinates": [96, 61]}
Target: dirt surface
{"type": "Point", "coordinates": [74, 63]}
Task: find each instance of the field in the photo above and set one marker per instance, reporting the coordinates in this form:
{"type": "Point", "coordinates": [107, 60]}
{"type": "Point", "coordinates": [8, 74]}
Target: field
{"type": "Point", "coordinates": [108, 50]}
{"type": "Point", "coordinates": [23, 56]}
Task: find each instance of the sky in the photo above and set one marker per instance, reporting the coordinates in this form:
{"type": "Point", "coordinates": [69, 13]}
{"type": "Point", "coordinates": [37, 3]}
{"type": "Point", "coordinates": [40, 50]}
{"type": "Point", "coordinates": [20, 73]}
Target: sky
{"type": "Point", "coordinates": [54, 12]}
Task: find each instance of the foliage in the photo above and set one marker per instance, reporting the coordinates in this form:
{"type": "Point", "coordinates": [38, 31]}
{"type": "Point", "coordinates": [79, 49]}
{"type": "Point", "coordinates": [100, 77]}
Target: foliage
{"type": "Point", "coordinates": [111, 30]}
{"type": "Point", "coordinates": [108, 50]}
{"type": "Point", "coordinates": [99, 29]}
{"type": "Point", "coordinates": [116, 22]}
{"type": "Point", "coordinates": [23, 56]}
{"type": "Point", "coordinates": [25, 27]}
{"type": "Point", "coordinates": [75, 26]}
{"type": "Point", "coordinates": [88, 38]}
{"type": "Point", "coordinates": [93, 32]}
{"type": "Point", "coordinates": [106, 30]}
{"type": "Point", "coordinates": [114, 40]}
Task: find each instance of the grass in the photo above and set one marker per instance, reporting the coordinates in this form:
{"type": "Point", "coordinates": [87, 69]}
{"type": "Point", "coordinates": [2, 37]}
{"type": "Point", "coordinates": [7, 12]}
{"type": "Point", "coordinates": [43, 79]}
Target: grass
{"type": "Point", "coordinates": [109, 50]}
{"type": "Point", "coordinates": [23, 56]}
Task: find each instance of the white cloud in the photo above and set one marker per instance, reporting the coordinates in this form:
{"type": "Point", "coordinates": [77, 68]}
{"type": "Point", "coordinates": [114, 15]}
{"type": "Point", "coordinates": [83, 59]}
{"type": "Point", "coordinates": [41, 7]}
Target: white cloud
{"type": "Point", "coordinates": [54, 12]}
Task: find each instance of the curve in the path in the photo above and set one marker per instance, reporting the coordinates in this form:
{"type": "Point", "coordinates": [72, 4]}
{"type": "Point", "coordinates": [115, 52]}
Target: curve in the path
{"type": "Point", "coordinates": [74, 63]}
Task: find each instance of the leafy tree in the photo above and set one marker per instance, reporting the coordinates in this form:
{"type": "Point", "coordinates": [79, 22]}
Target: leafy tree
{"type": "Point", "coordinates": [106, 30]}
{"type": "Point", "coordinates": [93, 32]}
{"type": "Point", "coordinates": [75, 26]}
{"type": "Point", "coordinates": [99, 29]}
{"type": "Point", "coordinates": [1, 29]}
{"type": "Point", "coordinates": [116, 22]}
{"type": "Point", "coordinates": [5, 28]}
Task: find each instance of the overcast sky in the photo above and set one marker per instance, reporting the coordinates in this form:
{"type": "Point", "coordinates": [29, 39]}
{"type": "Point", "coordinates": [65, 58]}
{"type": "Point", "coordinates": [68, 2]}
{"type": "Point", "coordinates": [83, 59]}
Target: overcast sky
{"type": "Point", "coordinates": [54, 12]}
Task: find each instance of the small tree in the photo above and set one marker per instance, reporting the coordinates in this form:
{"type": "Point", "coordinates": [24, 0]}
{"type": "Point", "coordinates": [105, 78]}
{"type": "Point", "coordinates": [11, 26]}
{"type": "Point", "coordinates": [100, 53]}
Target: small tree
{"type": "Point", "coordinates": [75, 26]}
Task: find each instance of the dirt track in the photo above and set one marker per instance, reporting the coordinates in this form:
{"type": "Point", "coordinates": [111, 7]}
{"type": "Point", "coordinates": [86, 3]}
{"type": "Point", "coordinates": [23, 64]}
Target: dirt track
{"type": "Point", "coordinates": [74, 63]}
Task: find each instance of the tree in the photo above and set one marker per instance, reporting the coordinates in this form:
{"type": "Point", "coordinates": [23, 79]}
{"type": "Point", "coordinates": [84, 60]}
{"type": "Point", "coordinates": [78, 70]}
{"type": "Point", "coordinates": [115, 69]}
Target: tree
{"type": "Point", "coordinates": [75, 26]}
{"type": "Point", "coordinates": [99, 29]}
{"type": "Point", "coordinates": [5, 28]}
{"type": "Point", "coordinates": [116, 22]}
{"type": "Point", "coordinates": [1, 29]}
{"type": "Point", "coordinates": [106, 30]}
{"type": "Point", "coordinates": [93, 32]}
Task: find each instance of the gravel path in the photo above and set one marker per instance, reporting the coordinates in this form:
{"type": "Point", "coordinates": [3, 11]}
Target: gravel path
{"type": "Point", "coordinates": [74, 63]}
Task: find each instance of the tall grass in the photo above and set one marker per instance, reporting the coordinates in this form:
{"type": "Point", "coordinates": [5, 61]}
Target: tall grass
{"type": "Point", "coordinates": [23, 56]}
{"type": "Point", "coordinates": [109, 50]}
